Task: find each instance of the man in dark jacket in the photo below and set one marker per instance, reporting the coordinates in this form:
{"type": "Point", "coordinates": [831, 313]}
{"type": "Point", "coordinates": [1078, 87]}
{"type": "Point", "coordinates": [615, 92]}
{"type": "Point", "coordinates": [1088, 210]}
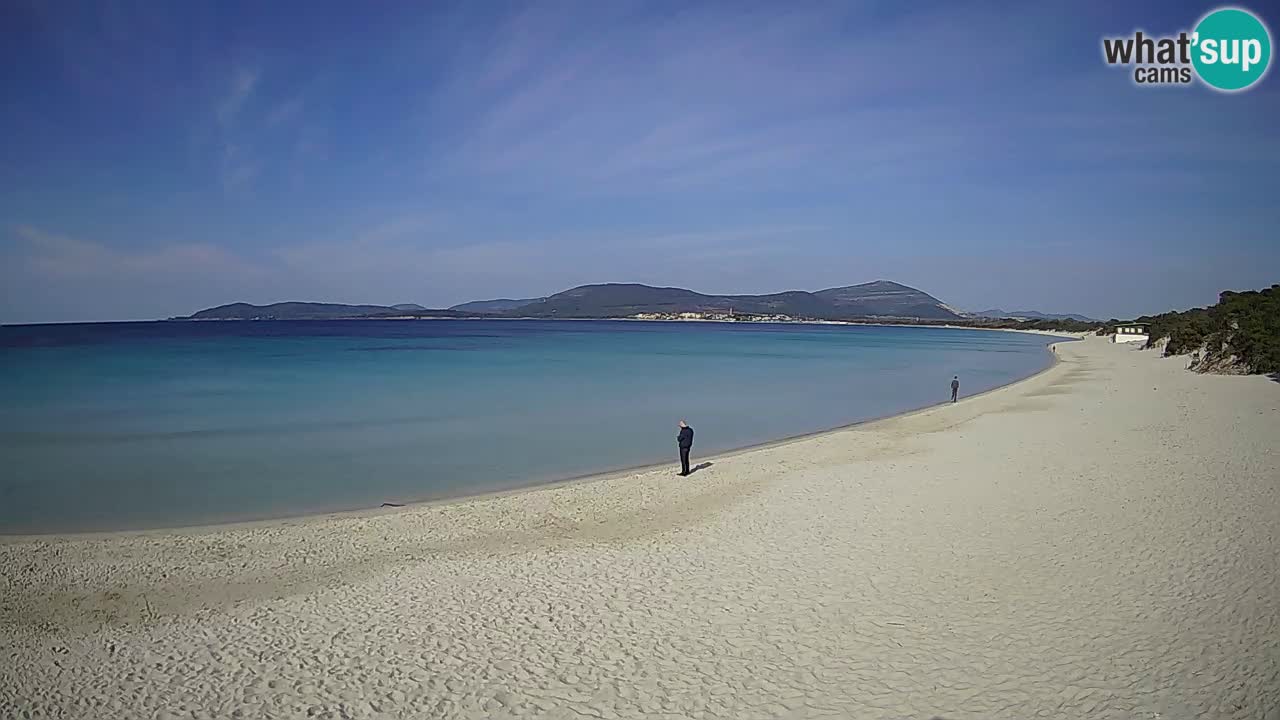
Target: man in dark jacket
{"type": "Point", "coordinates": [685, 440]}
{"type": "Point", "coordinates": [955, 388]}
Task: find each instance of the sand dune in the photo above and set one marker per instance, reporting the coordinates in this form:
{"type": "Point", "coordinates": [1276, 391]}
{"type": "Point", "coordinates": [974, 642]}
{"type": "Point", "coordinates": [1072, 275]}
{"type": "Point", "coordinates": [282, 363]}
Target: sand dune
{"type": "Point", "coordinates": [1098, 541]}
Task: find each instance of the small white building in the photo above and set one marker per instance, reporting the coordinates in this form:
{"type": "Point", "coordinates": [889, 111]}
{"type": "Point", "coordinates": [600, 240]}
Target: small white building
{"type": "Point", "coordinates": [1130, 333]}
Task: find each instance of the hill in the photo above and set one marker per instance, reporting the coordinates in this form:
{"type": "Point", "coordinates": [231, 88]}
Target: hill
{"type": "Point", "coordinates": [1030, 315]}
{"type": "Point", "coordinates": [882, 298]}
{"type": "Point", "coordinates": [313, 311]}
{"type": "Point", "coordinates": [879, 299]}
{"type": "Point", "coordinates": [493, 307]}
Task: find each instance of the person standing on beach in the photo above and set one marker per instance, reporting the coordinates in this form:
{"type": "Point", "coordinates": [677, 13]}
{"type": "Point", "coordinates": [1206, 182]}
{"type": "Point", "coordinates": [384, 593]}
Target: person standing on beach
{"type": "Point", "coordinates": [955, 388]}
{"type": "Point", "coordinates": [685, 440]}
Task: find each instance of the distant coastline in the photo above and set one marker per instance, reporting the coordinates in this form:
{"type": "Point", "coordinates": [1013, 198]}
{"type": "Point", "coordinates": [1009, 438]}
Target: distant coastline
{"type": "Point", "coordinates": [880, 298]}
{"type": "Point", "coordinates": [976, 324]}
{"type": "Point", "coordinates": [876, 302]}
{"type": "Point", "coordinates": [867, 322]}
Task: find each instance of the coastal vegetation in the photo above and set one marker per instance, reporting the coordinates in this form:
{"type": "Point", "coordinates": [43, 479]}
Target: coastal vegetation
{"type": "Point", "coordinates": [1063, 324]}
{"type": "Point", "coordinates": [1240, 334]}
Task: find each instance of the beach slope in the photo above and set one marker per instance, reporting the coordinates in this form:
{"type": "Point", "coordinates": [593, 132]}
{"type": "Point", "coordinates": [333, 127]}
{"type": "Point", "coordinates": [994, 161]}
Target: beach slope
{"type": "Point", "coordinates": [1100, 540]}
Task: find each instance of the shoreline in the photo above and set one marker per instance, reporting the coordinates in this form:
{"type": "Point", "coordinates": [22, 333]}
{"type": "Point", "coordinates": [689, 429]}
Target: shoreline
{"type": "Point", "coordinates": [1071, 544]}
{"type": "Point", "coordinates": [585, 478]}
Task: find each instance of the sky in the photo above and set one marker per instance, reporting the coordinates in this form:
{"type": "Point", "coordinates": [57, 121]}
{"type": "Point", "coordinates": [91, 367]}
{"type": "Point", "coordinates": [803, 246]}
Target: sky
{"type": "Point", "coordinates": [160, 158]}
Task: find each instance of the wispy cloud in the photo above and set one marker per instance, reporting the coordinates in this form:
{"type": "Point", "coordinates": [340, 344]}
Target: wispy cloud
{"type": "Point", "coordinates": [47, 276]}
{"type": "Point", "coordinates": [59, 256]}
{"type": "Point", "coordinates": [728, 97]}
{"type": "Point", "coordinates": [262, 133]}
{"type": "Point", "coordinates": [239, 168]}
{"type": "Point", "coordinates": [407, 259]}
{"type": "Point", "coordinates": [394, 246]}
{"type": "Point", "coordinates": [284, 112]}
{"type": "Point", "coordinates": [423, 259]}
{"type": "Point", "coordinates": [243, 82]}
{"type": "Point", "coordinates": [744, 146]}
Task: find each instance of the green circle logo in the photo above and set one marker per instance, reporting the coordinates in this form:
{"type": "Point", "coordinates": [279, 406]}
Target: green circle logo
{"type": "Point", "coordinates": [1232, 49]}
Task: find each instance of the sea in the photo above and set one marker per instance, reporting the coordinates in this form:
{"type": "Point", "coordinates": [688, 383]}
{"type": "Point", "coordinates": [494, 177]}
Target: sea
{"type": "Point", "coordinates": [122, 426]}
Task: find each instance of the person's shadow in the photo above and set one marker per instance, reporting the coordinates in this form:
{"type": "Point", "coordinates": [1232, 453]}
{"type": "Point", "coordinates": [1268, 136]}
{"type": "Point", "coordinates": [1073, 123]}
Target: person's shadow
{"type": "Point", "coordinates": [700, 466]}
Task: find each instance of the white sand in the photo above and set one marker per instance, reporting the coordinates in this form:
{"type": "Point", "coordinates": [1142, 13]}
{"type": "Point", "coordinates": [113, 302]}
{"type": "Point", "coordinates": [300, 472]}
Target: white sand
{"type": "Point", "coordinates": [1098, 541]}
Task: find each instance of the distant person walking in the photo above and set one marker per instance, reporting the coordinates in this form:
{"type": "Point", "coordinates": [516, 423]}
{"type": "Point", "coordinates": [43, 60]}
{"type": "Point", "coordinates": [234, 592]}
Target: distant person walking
{"type": "Point", "coordinates": [685, 440]}
{"type": "Point", "coordinates": [955, 388]}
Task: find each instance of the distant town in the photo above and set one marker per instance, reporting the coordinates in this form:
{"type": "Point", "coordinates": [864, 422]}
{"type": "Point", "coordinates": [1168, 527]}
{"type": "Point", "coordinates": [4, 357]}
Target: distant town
{"type": "Point", "coordinates": [729, 316]}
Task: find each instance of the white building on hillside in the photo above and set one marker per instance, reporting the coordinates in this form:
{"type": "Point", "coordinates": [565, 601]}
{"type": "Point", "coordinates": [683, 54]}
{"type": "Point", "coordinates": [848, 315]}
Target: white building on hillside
{"type": "Point", "coordinates": [1130, 333]}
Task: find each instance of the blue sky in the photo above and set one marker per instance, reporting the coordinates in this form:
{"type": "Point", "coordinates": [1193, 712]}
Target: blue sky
{"type": "Point", "coordinates": [163, 157]}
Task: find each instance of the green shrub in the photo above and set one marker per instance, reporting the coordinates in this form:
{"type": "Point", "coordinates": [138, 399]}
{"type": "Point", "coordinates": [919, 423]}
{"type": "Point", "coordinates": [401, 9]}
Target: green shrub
{"type": "Point", "coordinates": [1243, 324]}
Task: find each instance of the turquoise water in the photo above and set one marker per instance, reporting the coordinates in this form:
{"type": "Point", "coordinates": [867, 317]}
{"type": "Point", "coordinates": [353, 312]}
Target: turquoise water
{"type": "Point", "coordinates": [140, 425]}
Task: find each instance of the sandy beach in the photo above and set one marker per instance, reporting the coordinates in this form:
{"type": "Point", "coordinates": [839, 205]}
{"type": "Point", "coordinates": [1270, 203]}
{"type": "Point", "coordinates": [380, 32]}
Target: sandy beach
{"type": "Point", "coordinates": [1101, 540]}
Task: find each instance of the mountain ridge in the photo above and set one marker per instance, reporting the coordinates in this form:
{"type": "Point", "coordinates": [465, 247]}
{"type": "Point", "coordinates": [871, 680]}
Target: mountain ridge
{"type": "Point", "coordinates": [878, 298]}
{"type": "Point", "coordinates": [499, 305]}
{"type": "Point", "coordinates": [293, 310]}
{"type": "Point", "coordinates": [998, 314]}
{"type": "Point", "coordinates": [875, 299]}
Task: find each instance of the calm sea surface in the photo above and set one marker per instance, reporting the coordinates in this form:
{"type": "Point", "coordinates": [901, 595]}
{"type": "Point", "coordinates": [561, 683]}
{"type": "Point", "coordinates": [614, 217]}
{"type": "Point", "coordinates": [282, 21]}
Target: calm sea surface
{"type": "Point", "coordinates": [140, 425]}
